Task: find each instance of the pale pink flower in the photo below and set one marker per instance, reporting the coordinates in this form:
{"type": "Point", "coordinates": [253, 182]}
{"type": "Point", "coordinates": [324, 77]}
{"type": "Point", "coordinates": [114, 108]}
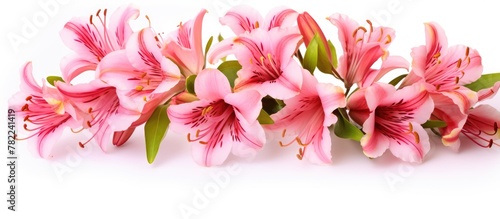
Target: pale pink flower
{"type": "Point", "coordinates": [482, 126]}
{"type": "Point", "coordinates": [452, 108]}
{"type": "Point", "coordinates": [93, 38]}
{"type": "Point", "coordinates": [141, 73]}
{"type": "Point", "coordinates": [362, 48]}
{"type": "Point", "coordinates": [244, 19]}
{"type": "Point", "coordinates": [481, 122]}
{"type": "Point", "coordinates": [184, 46]}
{"type": "Point", "coordinates": [220, 121]}
{"type": "Point", "coordinates": [46, 112]}
{"type": "Point", "coordinates": [267, 62]}
{"type": "Point", "coordinates": [440, 67]}
{"type": "Point", "coordinates": [392, 120]}
{"type": "Point", "coordinates": [307, 117]}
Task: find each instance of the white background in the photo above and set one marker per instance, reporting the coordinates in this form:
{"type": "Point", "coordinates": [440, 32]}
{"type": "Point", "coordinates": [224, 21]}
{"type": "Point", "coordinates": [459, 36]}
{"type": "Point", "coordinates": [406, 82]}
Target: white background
{"type": "Point", "coordinates": [274, 183]}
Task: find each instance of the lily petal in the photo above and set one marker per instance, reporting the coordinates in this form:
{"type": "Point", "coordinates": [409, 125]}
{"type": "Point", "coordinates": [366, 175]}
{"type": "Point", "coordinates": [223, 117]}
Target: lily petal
{"type": "Point", "coordinates": [242, 19]}
{"type": "Point", "coordinates": [211, 85]}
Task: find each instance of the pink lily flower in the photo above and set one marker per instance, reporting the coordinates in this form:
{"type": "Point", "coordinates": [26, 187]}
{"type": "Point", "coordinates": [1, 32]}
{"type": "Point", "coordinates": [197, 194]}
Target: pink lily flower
{"type": "Point", "coordinates": [392, 120]}
{"type": "Point", "coordinates": [244, 19]}
{"type": "Point", "coordinates": [440, 67]}
{"type": "Point", "coordinates": [308, 116]}
{"type": "Point", "coordinates": [362, 48]}
{"type": "Point", "coordinates": [482, 126]}
{"type": "Point", "coordinates": [452, 108]}
{"type": "Point", "coordinates": [45, 111]}
{"type": "Point", "coordinates": [220, 121]}
{"type": "Point", "coordinates": [141, 73]}
{"type": "Point", "coordinates": [184, 46]}
{"type": "Point", "coordinates": [104, 113]}
{"type": "Point", "coordinates": [483, 120]}
{"type": "Point", "coordinates": [267, 62]}
{"type": "Point", "coordinates": [95, 37]}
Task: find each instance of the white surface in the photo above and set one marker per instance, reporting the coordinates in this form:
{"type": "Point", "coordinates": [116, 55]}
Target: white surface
{"type": "Point", "coordinates": [274, 184]}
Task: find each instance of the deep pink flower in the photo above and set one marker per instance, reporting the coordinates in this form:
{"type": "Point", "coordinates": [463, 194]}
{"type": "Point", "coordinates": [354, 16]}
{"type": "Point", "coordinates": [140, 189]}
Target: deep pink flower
{"type": "Point", "coordinates": [307, 117]}
{"type": "Point", "coordinates": [267, 62]}
{"type": "Point", "coordinates": [45, 111]}
{"type": "Point", "coordinates": [184, 46]}
{"type": "Point", "coordinates": [104, 113]}
{"type": "Point", "coordinates": [362, 48]}
{"type": "Point", "coordinates": [392, 120]}
{"type": "Point", "coordinates": [440, 67]}
{"type": "Point", "coordinates": [220, 121]}
{"type": "Point", "coordinates": [93, 38]}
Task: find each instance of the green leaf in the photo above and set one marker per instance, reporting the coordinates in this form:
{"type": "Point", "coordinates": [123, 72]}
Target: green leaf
{"type": "Point", "coordinates": [345, 129]}
{"type": "Point", "coordinates": [190, 84]}
{"type": "Point", "coordinates": [52, 79]}
{"type": "Point", "coordinates": [264, 118]}
{"type": "Point", "coordinates": [207, 47]}
{"type": "Point", "coordinates": [396, 80]}
{"type": "Point", "coordinates": [155, 130]}
{"type": "Point", "coordinates": [434, 124]}
{"type": "Point", "coordinates": [484, 82]}
{"type": "Point", "coordinates": [311, 57]}
{"type": "Point", "coordinates": [333, 52]}
{"type": "Point", "coordinates": [209, 44]}
{"type": "Point", "coordinates": [271, 105]}
{"type": "Point", "coordinates": [230, 68]}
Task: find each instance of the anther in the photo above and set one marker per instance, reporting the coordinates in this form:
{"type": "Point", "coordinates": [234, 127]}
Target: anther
{"type": "Point", "coordinates": [371, 25]}
{"type": "Point", "coordinates": [417, 137]}
{"type": "Point", "coordinates": [389, 39]}
{"type": "Point", "coordinates": [149, 21]}
{"type": "Point", "coordinates": [459, 63]}
{"type": "Point", "coordinates": [356, 31]}
{"type": "Point", "coordinates": [28, 98]}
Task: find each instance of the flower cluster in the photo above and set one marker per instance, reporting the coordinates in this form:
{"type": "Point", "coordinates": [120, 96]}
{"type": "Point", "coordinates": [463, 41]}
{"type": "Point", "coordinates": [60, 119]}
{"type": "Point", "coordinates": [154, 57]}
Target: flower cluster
{"type": "Point", "coordinates": [261, 78]}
